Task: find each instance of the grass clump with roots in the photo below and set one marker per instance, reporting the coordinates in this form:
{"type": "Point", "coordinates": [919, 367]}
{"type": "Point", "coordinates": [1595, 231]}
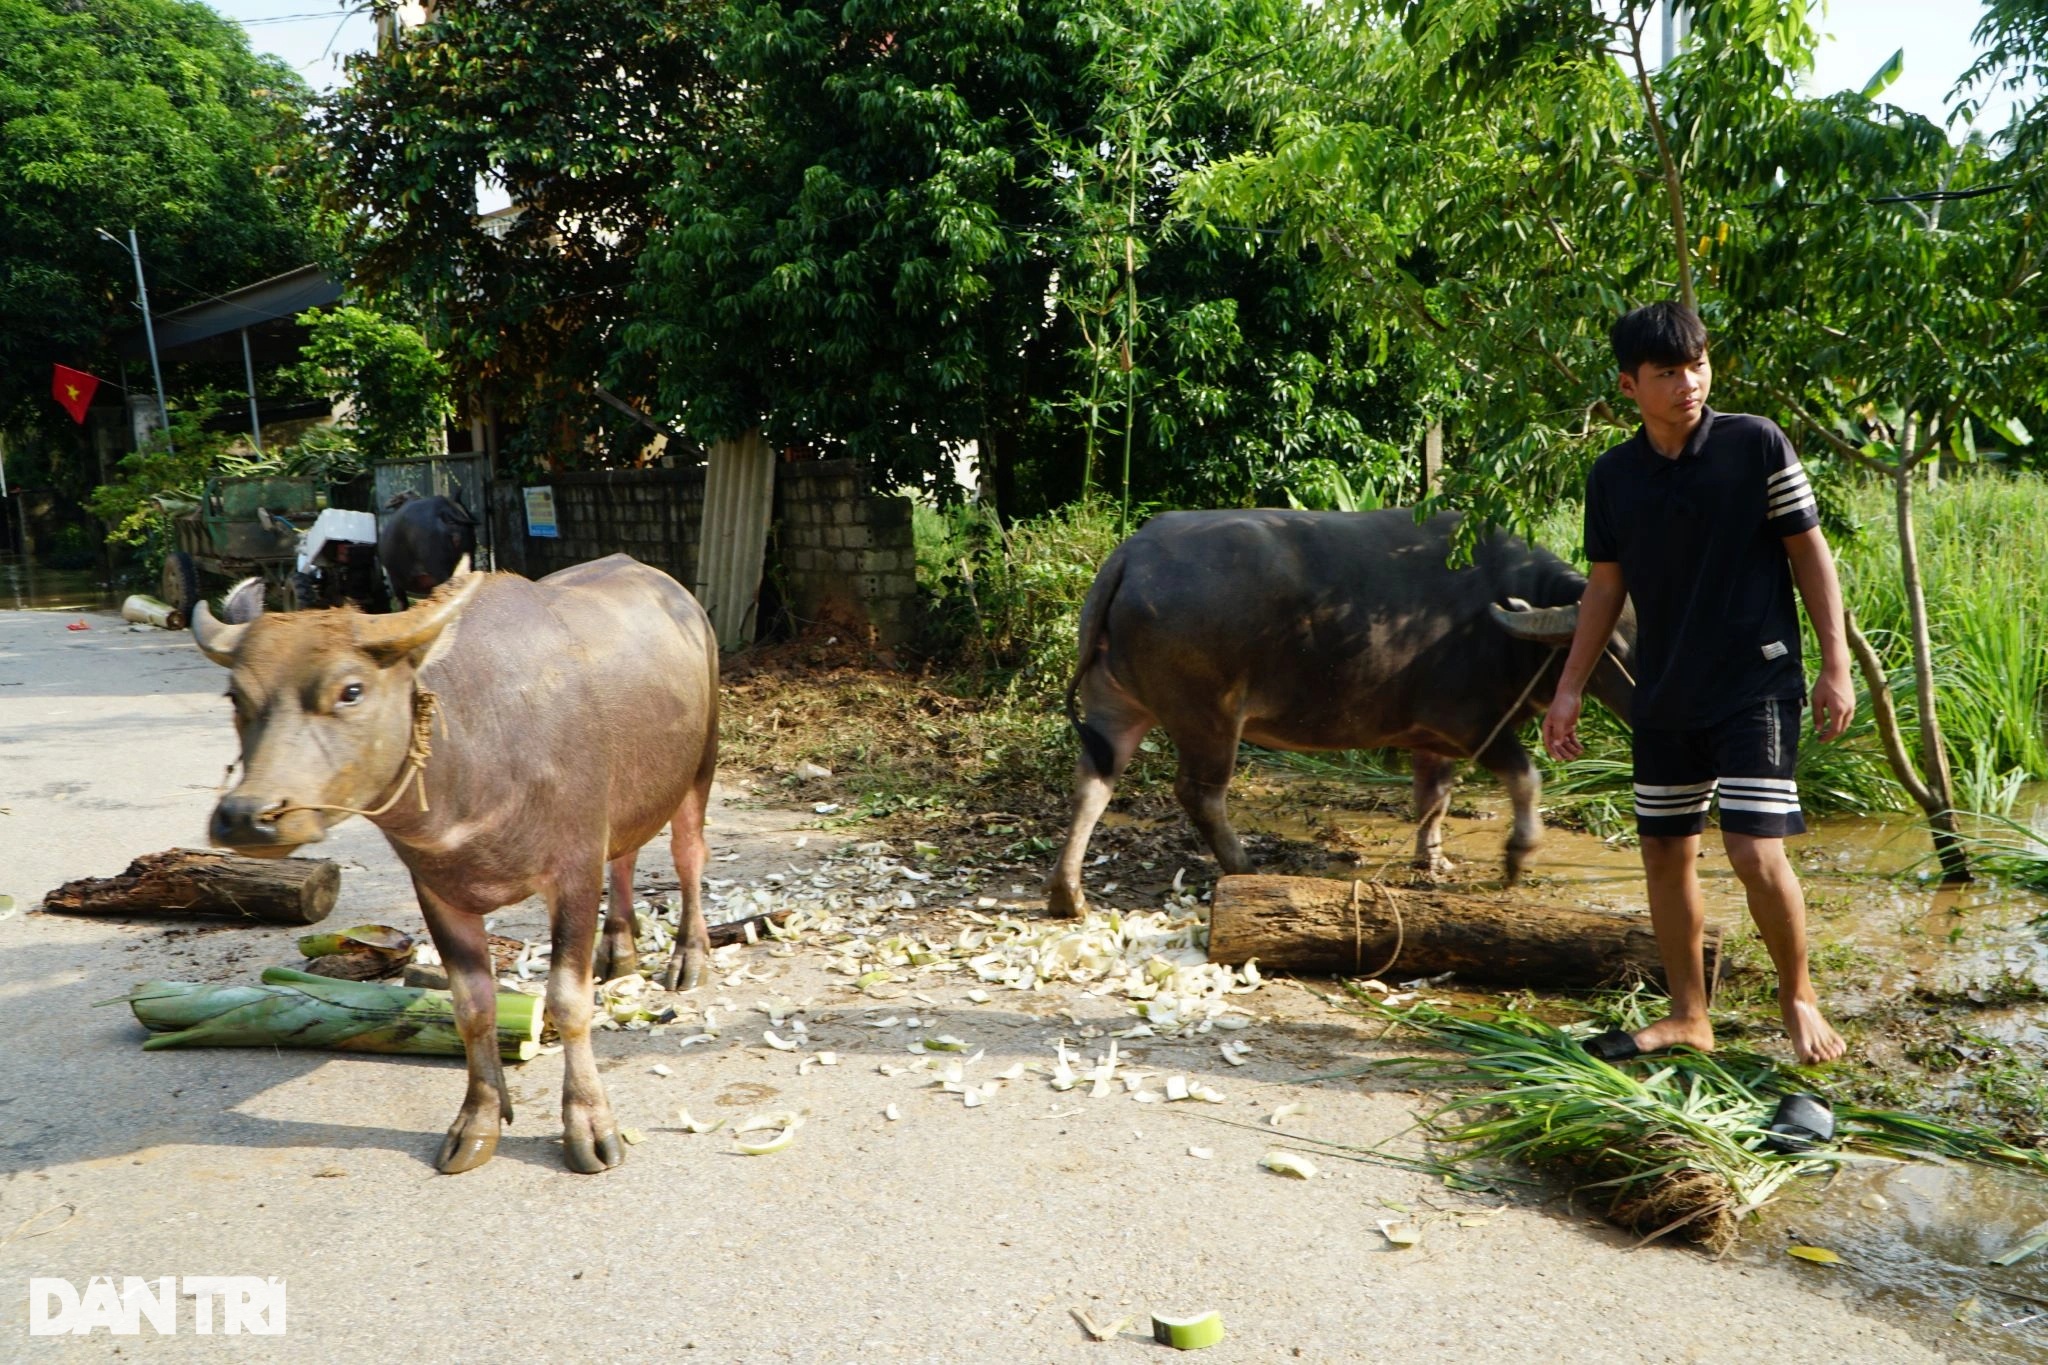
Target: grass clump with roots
{"type": "Point", "coordinates": [1674, 1144]}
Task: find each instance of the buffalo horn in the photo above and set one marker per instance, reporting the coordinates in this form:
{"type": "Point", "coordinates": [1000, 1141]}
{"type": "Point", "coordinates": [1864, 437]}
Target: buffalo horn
{"type": "Point", "coordinates": [393, 636]}
{"type": "Point", "coordinates": [218, 640]}
{"type": "Point", "coordinates": [1548, 625]}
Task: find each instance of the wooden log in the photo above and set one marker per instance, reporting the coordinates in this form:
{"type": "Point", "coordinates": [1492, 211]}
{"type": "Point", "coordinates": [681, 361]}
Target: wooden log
{"type": "Point", "coordinates": [1314, 926]}
{"type": "Point", "coordinates": [187, 881]}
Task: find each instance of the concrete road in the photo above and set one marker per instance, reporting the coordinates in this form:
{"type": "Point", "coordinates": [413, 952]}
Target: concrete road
{"type": "Point", "coordinates": [952, 1234]}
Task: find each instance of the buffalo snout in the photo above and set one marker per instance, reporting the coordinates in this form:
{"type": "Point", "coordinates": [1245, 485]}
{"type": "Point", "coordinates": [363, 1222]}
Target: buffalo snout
{"type": "Point", "coordinates": [262, 826]}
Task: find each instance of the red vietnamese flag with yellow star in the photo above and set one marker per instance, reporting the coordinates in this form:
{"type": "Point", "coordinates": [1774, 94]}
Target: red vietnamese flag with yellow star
{"type": "Point", "coordinates": [74, 389]}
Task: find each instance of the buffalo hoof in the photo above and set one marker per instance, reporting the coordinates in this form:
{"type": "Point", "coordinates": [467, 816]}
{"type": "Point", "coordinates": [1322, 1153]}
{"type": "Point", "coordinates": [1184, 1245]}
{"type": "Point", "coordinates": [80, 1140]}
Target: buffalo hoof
{"type": "Point", "coordinates": [1065, 902]}
{"type": "Point", "coordinates": [685, 969]}
{"type": "Point", "coordinates": [1517, 864]}
{"type": "Point", "coordinates": [613, 962]}
{"type": "Point", "coordinates": [471, 1142]}
{"type": "Point", "coordinates": [591, 1146]}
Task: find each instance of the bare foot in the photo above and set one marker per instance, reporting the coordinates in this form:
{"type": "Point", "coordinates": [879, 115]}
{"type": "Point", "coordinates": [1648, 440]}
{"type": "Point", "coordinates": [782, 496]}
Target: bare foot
{"type": "Point", "coordinates": [1673, 1032]}
{"type": "Point", "coordinates": [1814, 1040]}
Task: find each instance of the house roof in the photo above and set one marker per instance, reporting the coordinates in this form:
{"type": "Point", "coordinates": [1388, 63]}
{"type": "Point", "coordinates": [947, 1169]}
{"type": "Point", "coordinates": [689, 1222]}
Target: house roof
{"type": "Point", "coordinates": [280, 296]}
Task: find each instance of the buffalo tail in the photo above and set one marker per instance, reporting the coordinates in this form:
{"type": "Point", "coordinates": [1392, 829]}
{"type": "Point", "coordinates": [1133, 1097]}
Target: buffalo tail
{"type": "Point", "coordinates": [1095, 749]}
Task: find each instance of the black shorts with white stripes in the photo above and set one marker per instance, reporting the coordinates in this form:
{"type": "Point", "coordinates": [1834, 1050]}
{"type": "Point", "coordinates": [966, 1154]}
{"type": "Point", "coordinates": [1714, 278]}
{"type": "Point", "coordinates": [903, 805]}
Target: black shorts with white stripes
{"type": "Point", "coordinates": [1748, 758]}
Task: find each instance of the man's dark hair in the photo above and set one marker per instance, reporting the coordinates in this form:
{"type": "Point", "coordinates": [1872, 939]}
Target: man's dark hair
{"type": "Point", "coordinates": [1659, 334]}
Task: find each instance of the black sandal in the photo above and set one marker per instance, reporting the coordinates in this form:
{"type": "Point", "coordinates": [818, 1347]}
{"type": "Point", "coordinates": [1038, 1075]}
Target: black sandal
{"type": "Point", "coordinates": [1803, 1122]}
{"type": "Point", "coordinates": [1615, 1045]}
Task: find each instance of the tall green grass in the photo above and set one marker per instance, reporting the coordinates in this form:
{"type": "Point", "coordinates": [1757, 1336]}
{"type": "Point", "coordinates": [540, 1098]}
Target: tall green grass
{"type": "Point", "coordinates": [1984, 561]}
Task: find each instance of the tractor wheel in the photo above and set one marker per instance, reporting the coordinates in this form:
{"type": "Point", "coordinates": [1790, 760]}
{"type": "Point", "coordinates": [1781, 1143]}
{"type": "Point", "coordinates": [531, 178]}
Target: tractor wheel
{"type": "Point", "coordinates": [180, 586]}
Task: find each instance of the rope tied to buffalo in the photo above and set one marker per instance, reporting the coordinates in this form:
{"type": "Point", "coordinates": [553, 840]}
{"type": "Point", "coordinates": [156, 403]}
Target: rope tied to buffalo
{"type": "Point", "coordinates": [1515, 710]}
{"type": "Point", "coordinates": [1358, 931]}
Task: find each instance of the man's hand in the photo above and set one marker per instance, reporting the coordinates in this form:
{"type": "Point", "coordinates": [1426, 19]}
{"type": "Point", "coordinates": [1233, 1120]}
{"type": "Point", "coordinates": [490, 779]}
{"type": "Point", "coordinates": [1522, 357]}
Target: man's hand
{"type": "Point", "coordinates": [1561, 727]}
{"type": "Point", "coordinates": [1834, 704]}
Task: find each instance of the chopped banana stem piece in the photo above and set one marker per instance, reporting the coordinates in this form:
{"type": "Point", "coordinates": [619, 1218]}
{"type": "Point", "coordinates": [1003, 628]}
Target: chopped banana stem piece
{"type": "Point", "coordinates": [1289, 1163]}
{"type": "Point", "coordinates": [774, 1144]}
{"type": "Point", "coordinates": [787, 1123]}
{"type": "Point", "coordinates": [1188, 1334]}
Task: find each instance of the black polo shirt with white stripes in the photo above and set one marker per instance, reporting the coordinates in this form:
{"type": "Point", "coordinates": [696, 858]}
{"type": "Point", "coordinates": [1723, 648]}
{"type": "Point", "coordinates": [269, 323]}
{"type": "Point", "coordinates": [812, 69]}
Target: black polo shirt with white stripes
{"type": "Point", "coordinates": [1700, 541]}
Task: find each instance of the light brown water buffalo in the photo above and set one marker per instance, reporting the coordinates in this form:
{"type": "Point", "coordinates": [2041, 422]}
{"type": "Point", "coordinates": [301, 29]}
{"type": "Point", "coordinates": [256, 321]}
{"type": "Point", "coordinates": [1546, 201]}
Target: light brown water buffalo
{"type": "Point", "coordinates": [1320, 630]}
{"type": "Point", "coordinates": [571, 718]}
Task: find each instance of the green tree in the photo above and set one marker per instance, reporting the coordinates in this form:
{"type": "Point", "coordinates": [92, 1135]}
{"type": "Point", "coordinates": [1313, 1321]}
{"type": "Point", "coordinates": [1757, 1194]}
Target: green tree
{"type": "Point", "coordinates": [581, 110]}
{"type": "Point", "coordinates": [933, 224]}
{"type": "Point", "coordinates": [395, 387]}
{"type": "Point", "coordinates": [118, 113]}
{"type": "Point", "coordinates": [1493, 180]}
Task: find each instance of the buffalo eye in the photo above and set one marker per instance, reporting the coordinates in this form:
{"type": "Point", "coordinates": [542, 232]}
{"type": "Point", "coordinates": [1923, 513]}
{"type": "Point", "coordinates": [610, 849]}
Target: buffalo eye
{"type": "Point", "coordinates": [351, 693]}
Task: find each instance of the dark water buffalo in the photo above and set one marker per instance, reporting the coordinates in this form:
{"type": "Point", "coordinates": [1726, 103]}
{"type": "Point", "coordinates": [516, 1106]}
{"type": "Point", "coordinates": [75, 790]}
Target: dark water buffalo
{"type": "Point", "coordinates": [421, 545]}
{"type": "Point", "coordinates": [571, 719]}
{"type": "Point", "coordinates": [1318, 630]}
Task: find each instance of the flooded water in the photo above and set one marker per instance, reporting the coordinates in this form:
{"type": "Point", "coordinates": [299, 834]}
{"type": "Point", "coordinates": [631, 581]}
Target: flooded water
{"type": "Point", "coordinates": [1916, 1239]}
{"type": "Point", "coordinates": [26, 585]}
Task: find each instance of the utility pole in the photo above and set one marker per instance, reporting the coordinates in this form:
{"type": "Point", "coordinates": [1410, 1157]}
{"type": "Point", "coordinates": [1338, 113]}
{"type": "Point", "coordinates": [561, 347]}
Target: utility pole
{"type": "Point", "coordinates": [163, 410]}
{"type": "Point", "coordinates": [249, 370]}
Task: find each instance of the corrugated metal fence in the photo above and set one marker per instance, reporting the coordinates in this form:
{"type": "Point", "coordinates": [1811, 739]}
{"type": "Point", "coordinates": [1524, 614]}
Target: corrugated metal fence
{"type": "Point", "coordinates": [739, 494]}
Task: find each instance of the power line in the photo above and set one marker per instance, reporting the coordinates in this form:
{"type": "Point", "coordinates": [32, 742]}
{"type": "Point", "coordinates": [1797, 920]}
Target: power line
{"type": "Point", "coordinates": [262, 20]}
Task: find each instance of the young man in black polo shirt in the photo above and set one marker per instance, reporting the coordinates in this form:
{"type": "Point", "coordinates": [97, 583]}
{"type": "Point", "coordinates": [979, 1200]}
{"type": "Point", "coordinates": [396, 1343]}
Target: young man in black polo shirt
{"type": "Point", "coordinates": [1707, 521]}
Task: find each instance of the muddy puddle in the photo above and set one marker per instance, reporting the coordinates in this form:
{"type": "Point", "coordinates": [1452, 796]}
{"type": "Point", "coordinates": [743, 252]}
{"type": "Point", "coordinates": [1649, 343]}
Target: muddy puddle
{"type": "Point", "coordinates": [27, 585]}
{"type": "Point", "coordinates": [1916, 1240]}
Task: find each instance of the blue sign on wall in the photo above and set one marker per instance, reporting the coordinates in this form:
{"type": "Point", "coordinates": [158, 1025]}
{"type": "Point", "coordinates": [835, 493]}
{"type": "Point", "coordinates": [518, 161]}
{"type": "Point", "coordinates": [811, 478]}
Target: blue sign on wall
{"type": "Point", "coordinates": [540, 513]}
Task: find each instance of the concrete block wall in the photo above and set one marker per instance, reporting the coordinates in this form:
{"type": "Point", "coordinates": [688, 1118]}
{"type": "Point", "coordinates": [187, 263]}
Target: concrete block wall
{"type": "Point", "coordinates": [841, 550]}
{"type": "Point", "coordinates": [837, 550]}
{"type": "Point", "coordinates": [653, 515]}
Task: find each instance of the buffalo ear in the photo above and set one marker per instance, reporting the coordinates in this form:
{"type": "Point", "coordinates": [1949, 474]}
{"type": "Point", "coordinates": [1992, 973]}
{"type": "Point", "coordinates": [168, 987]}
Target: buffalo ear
{"type": "Point", "coordinates": [1544, 625]}
{"type": "Point", "coordinates": [244, 602]}
{"type": "Point", "coordinates": [387, 639]}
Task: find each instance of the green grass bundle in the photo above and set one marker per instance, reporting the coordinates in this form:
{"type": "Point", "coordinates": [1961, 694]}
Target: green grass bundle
{"type": "Point", "coordinates": [1677, 1145]}
{"type": "Point", "coordinates": [297, 1009]}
